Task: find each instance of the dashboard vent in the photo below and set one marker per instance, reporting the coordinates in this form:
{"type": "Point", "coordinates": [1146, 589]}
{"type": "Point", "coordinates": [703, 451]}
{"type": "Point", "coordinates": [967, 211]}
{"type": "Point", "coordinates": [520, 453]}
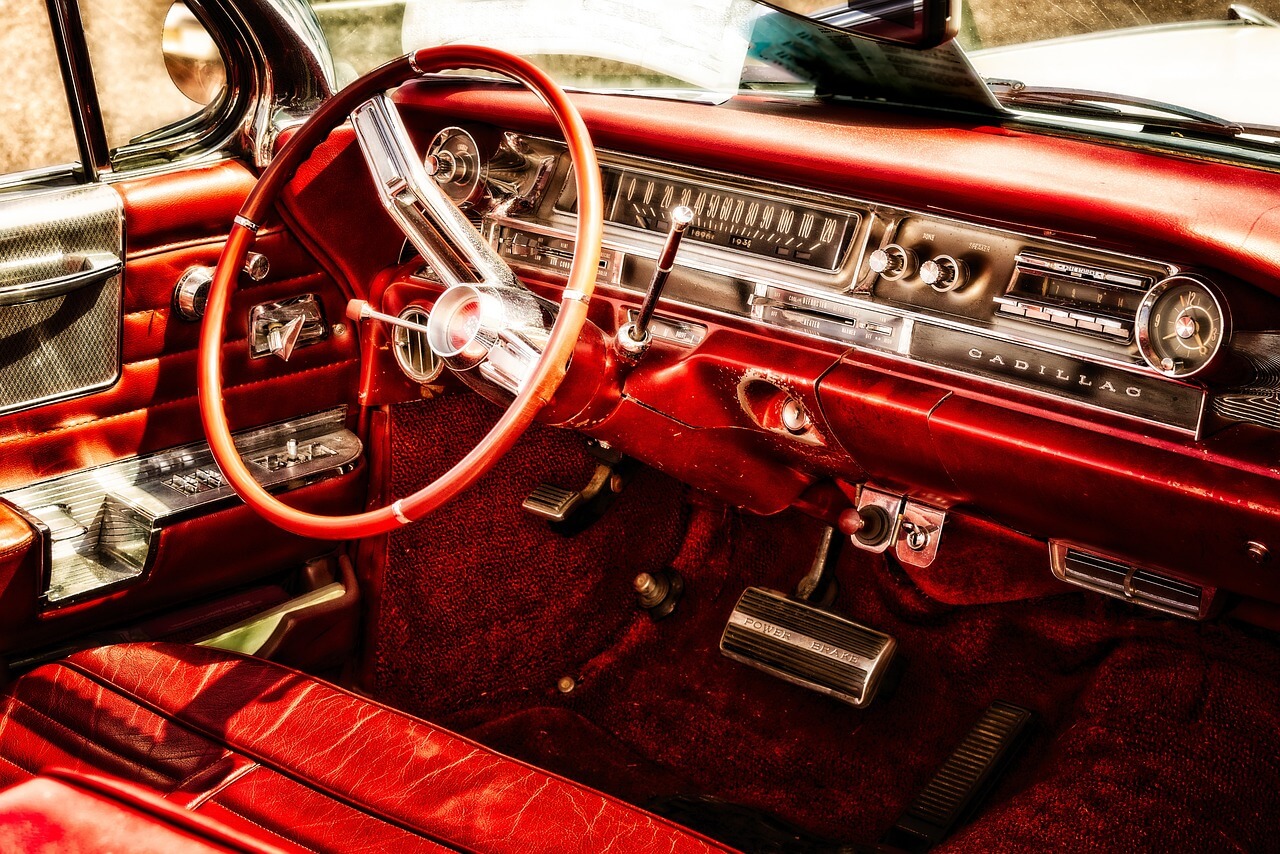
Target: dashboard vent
{"type": "Point", "coordinates": [411, 350]}
{"type": "Point", "coordinates": [1124, 580]}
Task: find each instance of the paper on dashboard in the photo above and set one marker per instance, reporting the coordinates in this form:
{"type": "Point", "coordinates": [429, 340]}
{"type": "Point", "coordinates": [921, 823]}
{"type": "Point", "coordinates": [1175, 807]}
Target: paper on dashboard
{"type": "Point", "coordinates": [702, 42]}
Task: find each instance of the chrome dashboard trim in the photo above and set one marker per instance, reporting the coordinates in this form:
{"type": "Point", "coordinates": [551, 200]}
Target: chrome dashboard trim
{"type": "Point", "coordinates": [827, 203]}
{"type": "Point", "coordinates": [902, 351]}
{"type": "Point", "coordinates": [842, 284]}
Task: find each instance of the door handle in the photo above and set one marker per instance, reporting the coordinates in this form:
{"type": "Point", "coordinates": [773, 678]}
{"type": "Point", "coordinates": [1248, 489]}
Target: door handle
{"type": "Point", "coordinates": [86, 269]}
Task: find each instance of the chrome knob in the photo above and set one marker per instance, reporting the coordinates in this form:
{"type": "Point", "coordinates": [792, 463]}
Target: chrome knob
{"type": "Point", "coordinates": [892, 262]}
{"type": "Point", "coordinates": [256, 266]}
{"type": "Point", "coordinates": [944, 273]}
{"type": "Point", "coordinates": [192, 292]}
{"type": "Point", "coordinates": [793, 415]}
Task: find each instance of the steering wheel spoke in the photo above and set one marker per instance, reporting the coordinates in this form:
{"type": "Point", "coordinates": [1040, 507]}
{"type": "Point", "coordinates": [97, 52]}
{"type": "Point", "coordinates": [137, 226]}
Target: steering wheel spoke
{"type": "Point", "coordinates": [453, 247]}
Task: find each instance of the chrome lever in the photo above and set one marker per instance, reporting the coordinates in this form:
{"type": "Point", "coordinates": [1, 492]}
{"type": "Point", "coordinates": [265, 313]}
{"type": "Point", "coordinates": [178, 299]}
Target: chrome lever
{"type": "Point", "coordinates": [358, 310]}
{"type": "Point", "coordinates": [634, 338]}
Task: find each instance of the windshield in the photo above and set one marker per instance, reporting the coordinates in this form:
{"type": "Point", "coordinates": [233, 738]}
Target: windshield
{"type": "Point", "coordinates": [1204, 69]}
{"type": "Point", "coordinates": [1204, 55]}
{"type": "Point", "coordinates": [665, 47]}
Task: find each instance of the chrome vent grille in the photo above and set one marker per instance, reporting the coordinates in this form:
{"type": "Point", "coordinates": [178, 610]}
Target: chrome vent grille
{"type": "Point", "coordinates": [411, 350]}
{"type": "Point", "coordinates": [1257, 407]}
{"type": "Point", "coordinates": [1124, 580]}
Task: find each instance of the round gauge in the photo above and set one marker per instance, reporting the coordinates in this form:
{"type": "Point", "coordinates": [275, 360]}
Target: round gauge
{"type": "Point", "coordinates": [1181, 326]}
{"type": "Point", "coordinates": [453, 160]}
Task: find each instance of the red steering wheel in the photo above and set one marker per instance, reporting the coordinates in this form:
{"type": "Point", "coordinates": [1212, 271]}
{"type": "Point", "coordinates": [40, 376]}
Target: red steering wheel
{"type": "Point", "coordinates": [539, 386]}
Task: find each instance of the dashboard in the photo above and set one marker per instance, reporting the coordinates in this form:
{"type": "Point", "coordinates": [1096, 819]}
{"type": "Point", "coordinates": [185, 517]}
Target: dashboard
{"type": "Point", "coordinates": [969, 344]}
{"type": "Point", "coordinates": [1134, 336]}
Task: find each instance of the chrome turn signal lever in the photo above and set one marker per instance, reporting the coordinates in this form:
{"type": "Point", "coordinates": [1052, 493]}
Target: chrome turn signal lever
{"type": "Point", "coordinates": [358, 310]}
{"type": "Point", "coordinates": [634, 338]}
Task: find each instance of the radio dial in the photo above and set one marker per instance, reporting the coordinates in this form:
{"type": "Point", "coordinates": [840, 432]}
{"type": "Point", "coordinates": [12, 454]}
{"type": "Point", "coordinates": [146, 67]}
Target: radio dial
{"type": "Point", "coordinates": [892, 262]}
{"type": "Point", "coordinates": [944, 273]}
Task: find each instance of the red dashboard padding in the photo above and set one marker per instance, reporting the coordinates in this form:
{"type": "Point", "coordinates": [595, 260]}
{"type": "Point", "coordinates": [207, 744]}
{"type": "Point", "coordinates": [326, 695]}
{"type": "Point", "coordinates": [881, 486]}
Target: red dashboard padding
{"type": "Point", "coordinates": [71, 814]}
{"type": "Point", "coordinates": [251, 743]}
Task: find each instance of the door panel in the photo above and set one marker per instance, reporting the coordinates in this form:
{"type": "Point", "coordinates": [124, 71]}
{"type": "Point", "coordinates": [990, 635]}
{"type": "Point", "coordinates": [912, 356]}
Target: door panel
{"type": "Point", "coordinates": [170, 223]}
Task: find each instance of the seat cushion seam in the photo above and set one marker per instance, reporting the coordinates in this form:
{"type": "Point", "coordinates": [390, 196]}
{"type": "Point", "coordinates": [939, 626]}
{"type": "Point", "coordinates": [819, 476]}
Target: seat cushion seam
{"type": "Point", "coordinates": [259, 825]}
{"type": "Point", "coordinates": [377, 818]}
{"type": "Point", "coordinates": [21, 768]}
{"type": "Point", "coordinates": [81, 737]}
{"type": "Point", "coordinates": [226, 753]}
{"type": "Point", "coordinates": [259, 759]}
{"type": "Point", "coordinates": [234, 777]}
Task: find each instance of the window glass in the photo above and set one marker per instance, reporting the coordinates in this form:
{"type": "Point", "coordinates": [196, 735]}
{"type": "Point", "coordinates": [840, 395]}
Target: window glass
{"type": "Point", "coordinates": [994, 23]}
{"type": "Point", "coordinates": [127, 49]}
{"type": "Point", "coordinates": [35, 124]}
{"type": "Point", "coordinates": [361, 35]}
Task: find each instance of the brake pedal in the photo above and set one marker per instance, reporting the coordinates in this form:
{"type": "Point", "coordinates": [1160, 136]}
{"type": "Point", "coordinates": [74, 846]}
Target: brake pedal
{"type": "Point", "coordinates": [963, 781]}
{"type": "Point", "coordinates": [551, 502]}
{"type": "Point", "coordinates": [569, 511]}
{"type": "Point", "coordinates": [807, 646]}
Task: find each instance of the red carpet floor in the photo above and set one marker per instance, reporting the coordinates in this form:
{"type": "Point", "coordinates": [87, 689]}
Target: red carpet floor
{"type": "Point", "coordinates": [1153, 734]}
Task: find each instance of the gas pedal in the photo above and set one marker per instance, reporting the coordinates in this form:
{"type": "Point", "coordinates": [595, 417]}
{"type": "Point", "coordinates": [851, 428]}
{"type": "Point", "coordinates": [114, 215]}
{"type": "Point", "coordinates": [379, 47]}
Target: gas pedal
{"type": "Point", "coordinates": [807, 646]}
{"type": "Point", "coordinates": [963, 781]}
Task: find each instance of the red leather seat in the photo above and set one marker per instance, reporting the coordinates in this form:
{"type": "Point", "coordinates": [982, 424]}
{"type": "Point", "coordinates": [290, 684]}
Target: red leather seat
{"type": "Point", "coordinates": [257, 746]}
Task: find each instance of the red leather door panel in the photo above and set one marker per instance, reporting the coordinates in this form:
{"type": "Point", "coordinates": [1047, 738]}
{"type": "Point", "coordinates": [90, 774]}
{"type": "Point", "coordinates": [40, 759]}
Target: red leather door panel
{"type": "Point", "coordinates": [172, 222]}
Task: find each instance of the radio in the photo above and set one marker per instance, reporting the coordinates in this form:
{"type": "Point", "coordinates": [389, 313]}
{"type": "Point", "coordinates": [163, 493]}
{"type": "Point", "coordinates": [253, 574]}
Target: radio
{"type": "Point", "coordinates": [1095, 300]}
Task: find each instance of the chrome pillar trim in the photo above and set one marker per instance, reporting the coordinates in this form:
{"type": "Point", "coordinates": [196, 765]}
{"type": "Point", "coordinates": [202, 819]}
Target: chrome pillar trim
{"type": "Point", "coordinates": [294, 71]}
{"type": "Point", "coordinates": [456, 251]}
{"type": "Point", "coordinates": [245, 222]}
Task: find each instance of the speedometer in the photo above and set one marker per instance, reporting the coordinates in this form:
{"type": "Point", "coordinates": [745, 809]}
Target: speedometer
{"type": "Point", "coordinates": [763, 225]}
{"type": "Point", "coordinates": [1181, 326]}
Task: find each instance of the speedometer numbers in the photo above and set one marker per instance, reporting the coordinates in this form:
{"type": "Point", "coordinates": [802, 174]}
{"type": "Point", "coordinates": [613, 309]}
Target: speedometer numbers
{"type": "Point", "coordinates": [1181, 326]}
{"type": "Point", "coordinates": [759, 225]}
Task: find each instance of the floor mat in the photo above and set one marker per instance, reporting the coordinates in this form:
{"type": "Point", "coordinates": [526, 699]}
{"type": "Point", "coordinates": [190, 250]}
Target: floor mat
{"type": "Point", "coordinates": [1153, 732]}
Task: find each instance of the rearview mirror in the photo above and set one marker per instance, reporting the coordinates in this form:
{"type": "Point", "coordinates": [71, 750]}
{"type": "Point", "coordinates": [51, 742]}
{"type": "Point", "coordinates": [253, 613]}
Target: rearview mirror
{"type": "Point", "coordinates": [914, 23]}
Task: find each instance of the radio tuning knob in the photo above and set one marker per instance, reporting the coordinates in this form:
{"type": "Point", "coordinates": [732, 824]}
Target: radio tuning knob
{"type": "Point", "coordinates": [944, 273]}
{"type": "Point", "coordinates": [892, 262]}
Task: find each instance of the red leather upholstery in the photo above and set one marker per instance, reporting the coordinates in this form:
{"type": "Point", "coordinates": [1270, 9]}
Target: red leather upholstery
{"type": "Point", "coordinates": [256, 746]}
{"type": "Point", "coordinates": [71, 814]}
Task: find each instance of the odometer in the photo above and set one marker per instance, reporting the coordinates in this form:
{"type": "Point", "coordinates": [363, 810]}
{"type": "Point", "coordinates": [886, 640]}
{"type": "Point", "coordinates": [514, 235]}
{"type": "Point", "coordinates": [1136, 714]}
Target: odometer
{"type": "Point", "coordinates": [766, 226]}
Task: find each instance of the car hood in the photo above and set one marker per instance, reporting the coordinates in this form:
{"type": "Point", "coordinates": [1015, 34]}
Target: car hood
{"type": "Point", "coordinates": [1226, 68]}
